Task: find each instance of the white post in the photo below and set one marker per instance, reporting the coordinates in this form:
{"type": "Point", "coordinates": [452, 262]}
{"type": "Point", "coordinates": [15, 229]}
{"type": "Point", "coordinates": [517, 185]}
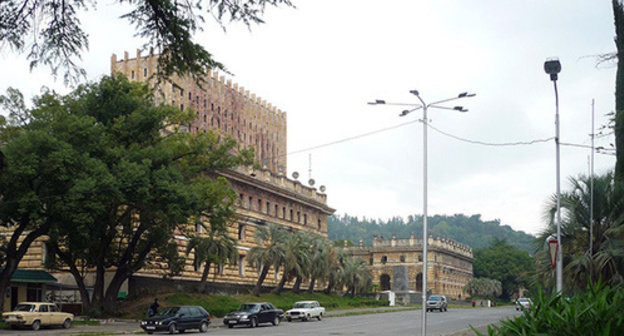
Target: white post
{"type": "Point", "coordinates": [559, 271]}
{"type": "Point", "coordinates": [591, 195]}
{"type": "Point", "coordinates": [425, 236]}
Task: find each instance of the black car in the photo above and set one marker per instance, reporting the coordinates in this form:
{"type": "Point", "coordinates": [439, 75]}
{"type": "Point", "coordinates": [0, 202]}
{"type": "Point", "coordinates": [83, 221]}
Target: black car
{"type": "Point", "coordinates": [181, 318]}
{"type": "Point", "coordinates": [252, 314]}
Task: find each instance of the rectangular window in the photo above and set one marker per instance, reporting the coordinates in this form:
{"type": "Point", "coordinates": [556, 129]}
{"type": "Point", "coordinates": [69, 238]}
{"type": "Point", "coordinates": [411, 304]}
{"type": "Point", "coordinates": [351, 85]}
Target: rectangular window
{"type": "Point", "coordinates": [241, 266]}
{"type": "Point", "coordinates": [276, 208]}
{"type": "Point", "coordinates": [182, 107]}
{"type": "Point", "coordinates": [132, 74]}
{"type": "Point", "coordinates": [298, 217]}
{"type": "Point", "coordinates": [144, 72]}
{"type": "Point", "coordinates": [284, 212]}
{"type": "Point", "coordinates": [250, 204]}
{"type": "Point", "coordinates": [259, 205]}
{"type": "Point", "coordinates": [268, 208]}
{"type": "Point", "coordinates": [305, 219]}
{"type": "Point", "coordinates": [241, 231]}
{"type": "Point", "coordinates": [318, 224]}
{"type": "Point", "coordinates": [190, 96]}
{"type": "Point", "coordinates": [291, 215]}
{"type": "Point", "coordinates": [181, 92]}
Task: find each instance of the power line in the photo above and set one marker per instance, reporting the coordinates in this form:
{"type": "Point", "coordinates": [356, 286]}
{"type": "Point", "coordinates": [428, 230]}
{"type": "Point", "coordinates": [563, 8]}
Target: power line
{"type": "Point", "coordinates": [500, 144]}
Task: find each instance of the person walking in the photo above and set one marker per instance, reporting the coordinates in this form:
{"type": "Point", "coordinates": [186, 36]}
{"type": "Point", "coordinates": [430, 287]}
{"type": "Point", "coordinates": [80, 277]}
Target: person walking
{"type": "Point", "coordinates": [153, 309]}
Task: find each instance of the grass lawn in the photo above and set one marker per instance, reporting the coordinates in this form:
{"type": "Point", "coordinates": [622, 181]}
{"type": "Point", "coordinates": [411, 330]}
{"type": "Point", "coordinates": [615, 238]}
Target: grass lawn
{"type": "Point", "coordinates": [219, 305]}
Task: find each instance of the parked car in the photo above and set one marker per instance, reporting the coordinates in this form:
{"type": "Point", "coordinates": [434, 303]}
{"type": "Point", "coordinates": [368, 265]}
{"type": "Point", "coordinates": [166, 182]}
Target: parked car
{"type": "Point", "coordinates": [178, 318]}
{"type": "Point", "coordinates": [34, 315]}
{"type": "Point", "coordinates": [252, 314]}
{"type": "Point", "coordinates": [305, 310]}
{"type": "Point", "coordinates": [437, 302]}
{"type": "Point", "coordinates": [523, 303]}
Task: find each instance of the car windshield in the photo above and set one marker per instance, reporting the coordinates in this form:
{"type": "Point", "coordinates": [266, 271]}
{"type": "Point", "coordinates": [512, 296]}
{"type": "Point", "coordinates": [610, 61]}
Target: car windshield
{"type": "Point", "coordinates": [435, 298]}
{"type": "Point", "coordinates": [248, 307]}
{"type": "Point", "coordinates": [302, 305]}
{"type": "Point", "coordinates": [523, 300]}
{"type": "Point", "coordinates": [171, 311]}
{"type": "Point", "coordinates": [24, 308]}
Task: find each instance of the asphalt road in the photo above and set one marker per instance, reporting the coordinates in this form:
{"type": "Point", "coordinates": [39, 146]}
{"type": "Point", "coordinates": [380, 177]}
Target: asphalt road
{"type": "Point", "coordinates": [396, 323]}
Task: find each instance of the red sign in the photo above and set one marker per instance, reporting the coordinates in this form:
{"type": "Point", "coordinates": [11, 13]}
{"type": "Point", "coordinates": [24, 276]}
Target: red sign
{"type": "Point", "coordinates": [553, 248]}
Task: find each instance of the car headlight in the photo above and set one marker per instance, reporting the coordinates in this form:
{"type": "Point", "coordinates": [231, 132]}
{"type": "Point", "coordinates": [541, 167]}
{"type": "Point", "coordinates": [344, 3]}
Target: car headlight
{"type": "Point", "coordinates": [143, 323]}
{"type": "Point", "coordinates": [244, 316]}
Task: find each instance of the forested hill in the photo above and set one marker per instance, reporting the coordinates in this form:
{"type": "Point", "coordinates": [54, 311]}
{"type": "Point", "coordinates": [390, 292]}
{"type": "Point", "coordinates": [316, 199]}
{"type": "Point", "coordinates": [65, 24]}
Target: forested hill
{"type": "Point", "coordinates": [471, 231]}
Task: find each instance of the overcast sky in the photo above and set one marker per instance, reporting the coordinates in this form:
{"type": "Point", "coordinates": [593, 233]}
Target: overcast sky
{"type": "Point", "coordinates": [322, 62]}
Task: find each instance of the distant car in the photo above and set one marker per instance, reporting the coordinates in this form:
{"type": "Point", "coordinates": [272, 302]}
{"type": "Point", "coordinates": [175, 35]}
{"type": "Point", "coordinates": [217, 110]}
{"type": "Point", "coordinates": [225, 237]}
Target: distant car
{"type": "Point", "coordinates": [252, 314]}
{"type": "Point", "coordinates": [437, 302]}
{"type": "Point", "coordinates": [34, 315]}
{"type": "Point", "coordinates": [178, 318]}
{"type": "Point", "coordinates": [523, 303]}
{"type": "Point", "coordinates": [305, 310]}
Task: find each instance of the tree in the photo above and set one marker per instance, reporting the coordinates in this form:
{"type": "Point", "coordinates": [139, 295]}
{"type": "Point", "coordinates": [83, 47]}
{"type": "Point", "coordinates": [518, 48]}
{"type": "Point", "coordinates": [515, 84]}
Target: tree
{"type": "Point", "coordinates": [335, 268]}
{"type": "Point", "coordinates": [141, 180]}
{"type": "Point", "coordinates": [484, 287]}
{"type": "Point", "coordinates": [294, 260]}
{"type": "Point", "coordinates": [50, 32]}
{"type": "Point", "coordinates": [41, 166]}
{"type": "Point", "coordinates": [215, 249]}
{"type": "Point", "coordinates": [606, 261]}
{"type": "Point", "coordinates": [504, 263]}
{"type": "Point", "coordinates": [268, 252]}
{"type": "Point", "coordinates": [356, 276]}
{"type": "Point", "coordinates": [319, 259]}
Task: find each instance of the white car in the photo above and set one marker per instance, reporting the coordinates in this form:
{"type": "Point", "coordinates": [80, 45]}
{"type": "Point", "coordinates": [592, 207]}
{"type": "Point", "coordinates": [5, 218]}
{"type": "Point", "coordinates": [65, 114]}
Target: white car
{"type": "Point", "coordinates": [524, 303]}
{"type": "Point", "coordinates": [305, 310]}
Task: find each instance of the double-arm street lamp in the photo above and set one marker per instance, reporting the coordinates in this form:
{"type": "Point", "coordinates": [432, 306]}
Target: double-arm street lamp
{"type": "Point", "coordinates": [414, 107]}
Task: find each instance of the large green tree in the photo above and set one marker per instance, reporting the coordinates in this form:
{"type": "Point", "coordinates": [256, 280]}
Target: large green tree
{"type": "Point", "coordinates": [140, 180]}
{"type": "Point", "coordinates": [50, 31]}
{"type": "Point", "coordinates": [269, 251]}
{"type": "Point", "coordinates": [504, 263]}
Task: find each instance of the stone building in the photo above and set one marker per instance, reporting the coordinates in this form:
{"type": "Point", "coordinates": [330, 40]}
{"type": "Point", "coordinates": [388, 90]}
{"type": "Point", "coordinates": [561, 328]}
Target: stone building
{"type": "Point", "coordinates": [266, 194]}
{"type": "Point", "coordinates": [449, 263]}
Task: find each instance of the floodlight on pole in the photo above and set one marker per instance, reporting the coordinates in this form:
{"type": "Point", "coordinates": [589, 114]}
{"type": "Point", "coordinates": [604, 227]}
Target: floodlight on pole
{"type": "Point", "coordinates": [552, 67]}
{"type": "Point", "coordinates": [425, 107]}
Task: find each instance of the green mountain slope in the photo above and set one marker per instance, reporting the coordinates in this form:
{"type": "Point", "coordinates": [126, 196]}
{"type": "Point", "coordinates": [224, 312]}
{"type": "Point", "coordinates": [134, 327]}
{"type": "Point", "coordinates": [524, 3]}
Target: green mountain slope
{"type": "Point", "coordinates": [471, 231]}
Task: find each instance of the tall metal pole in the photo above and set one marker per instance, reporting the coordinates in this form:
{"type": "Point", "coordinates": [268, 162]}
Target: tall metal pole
{"type": "Point", "coordinates": [559, 271]}
{"type": "Point", "coordinates": [425, 236]}
{"type": "Point", "coordinates": [591, 197]}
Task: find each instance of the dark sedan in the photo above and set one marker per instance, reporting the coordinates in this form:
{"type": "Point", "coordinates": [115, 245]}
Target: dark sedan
{"type": "Point", "coordinates": [174, 319]}
{"type": "Point", "coordinates": [252, 314]}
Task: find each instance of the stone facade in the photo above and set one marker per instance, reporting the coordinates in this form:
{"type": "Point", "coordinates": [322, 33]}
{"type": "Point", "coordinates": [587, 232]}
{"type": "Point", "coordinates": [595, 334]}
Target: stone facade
{"type": "Point", "coordinates": [449, 263]}
{"type": "Point", "coordinates": [221, 106]}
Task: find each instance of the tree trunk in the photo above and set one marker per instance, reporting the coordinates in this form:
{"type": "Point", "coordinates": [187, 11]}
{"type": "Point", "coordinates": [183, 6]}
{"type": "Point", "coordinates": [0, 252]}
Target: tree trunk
{"type": "Point", "coordinates": [98, 286]}
{"type": "Point", "coordinates": [5, 276]}
{"type": "Point", "coordinates": [311, 287]}
{"type": "Point", "coordinates": [263, 274]}
{"type": "Point", "coordinates": [297, 286]}
{"type": "Point", "coordinates": [73, 270]}
{"type": "Point", "coordinates": [618, 15]}
{"type": "Point", "coordinates": [281, 284]}
{"type": "Point", "coordinates": [204, 279]}
{"type": "Point", "coordinates": [330, 286]}
{"type": "Point", "coordinates": [110, 299]}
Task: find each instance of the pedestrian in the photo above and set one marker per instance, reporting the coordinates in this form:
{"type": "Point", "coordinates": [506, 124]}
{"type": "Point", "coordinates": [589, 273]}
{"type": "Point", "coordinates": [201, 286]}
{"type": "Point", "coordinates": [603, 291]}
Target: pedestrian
{"type": "Point", "coordinates": [153, 309]}
{"type": "Point", "coordinates": [494, 303]}
{"type": "Point", "coordinates": [473, 303]}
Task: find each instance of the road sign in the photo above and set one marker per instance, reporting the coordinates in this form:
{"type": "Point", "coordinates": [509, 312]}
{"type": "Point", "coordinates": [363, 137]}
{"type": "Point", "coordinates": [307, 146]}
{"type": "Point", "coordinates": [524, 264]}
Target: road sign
{"type": "Point", "coordinates": [553, 247]}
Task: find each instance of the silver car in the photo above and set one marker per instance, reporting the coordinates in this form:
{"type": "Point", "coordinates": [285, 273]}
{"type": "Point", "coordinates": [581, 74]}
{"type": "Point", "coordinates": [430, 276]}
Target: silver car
{"type": "Point", "coordinates": [523, 303]}
{"type": "Point", "coordinates": [437, 302]}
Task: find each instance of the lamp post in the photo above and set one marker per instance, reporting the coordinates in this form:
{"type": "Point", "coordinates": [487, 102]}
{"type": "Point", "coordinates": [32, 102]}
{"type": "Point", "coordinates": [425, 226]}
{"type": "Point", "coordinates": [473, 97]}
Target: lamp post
{"type": "Point", "coordinates": [425, 107]}
{"type": "Point", "coordinates": [553, 67]}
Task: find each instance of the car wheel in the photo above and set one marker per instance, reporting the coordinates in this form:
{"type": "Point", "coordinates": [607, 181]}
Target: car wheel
{"type": "Point", "coordinates": [305, 318]}
{"type": "Point", "coordinates": [276, 321]}
{"type": "Point", "coordinates": [150, 332]}
{"type": "Point", "coordinates": [36, 325]}
{"type": "Point", "coordinates": [320, 317]}
{"type": "Point", "coordinates": [203, 327]}
{"type": "Point", "coordinates": [230, 326]}
{"type": "Point", "coordinates": [181, 331]}
{"type": "Point", "coordinates": [289, 319]}
{"type": "Point", "coordinates": [67, 324]}
{"type": "Point", "coordinates": [253, 323]}
{"type": "Point", "coordinates": [172, 328]}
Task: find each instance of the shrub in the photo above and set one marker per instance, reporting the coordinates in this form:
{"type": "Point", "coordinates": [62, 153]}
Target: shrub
{"type": "Point", "coordinates": [597, 311]}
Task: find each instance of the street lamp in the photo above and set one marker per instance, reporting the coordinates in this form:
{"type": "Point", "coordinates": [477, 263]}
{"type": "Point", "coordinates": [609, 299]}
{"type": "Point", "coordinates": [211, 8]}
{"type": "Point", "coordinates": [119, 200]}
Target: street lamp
{"type": "Point", "coordinates": [553, 67]}
{"type": "Point", "coordinates": [414, 107]}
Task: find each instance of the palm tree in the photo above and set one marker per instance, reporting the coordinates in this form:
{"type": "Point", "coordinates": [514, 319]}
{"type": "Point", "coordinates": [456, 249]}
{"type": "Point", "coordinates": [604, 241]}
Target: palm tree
{"type": "Point", "coordinates": [268, 252]}
{"type": "Point", "coordinates": [218, 250]}
{"type": "Point", "coordinates": [319, 259]}
{"type": "Point", "coordinates": [356, 277]}
{"type": "Point", "coordinates": [606, 260]}
{"type": "Point", "coordinates": [335, 268]}
{"type": "Point", "coordinates": [295, 259]}
{"type": "Point", "coordinates": [484, 287]}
